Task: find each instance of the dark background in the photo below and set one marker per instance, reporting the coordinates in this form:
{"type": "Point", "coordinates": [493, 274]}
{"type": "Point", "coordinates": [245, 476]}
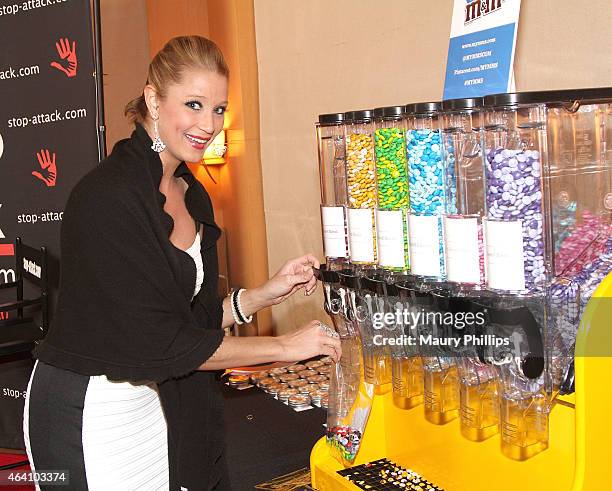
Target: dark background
{"type": "Point", "coordinates": [29, 38]}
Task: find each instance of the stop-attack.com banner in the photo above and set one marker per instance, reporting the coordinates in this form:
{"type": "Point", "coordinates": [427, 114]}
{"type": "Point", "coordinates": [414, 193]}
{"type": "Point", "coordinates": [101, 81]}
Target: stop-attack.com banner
{"type": "Point", "coordinates": [48, 141]}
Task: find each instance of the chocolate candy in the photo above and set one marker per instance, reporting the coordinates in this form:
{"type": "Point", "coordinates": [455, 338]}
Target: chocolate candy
{"type": "Point", "coordinates": [257, 376]}
{"type": "Point", "coordinates": [278, 371]}
{"type": "Point", "coordinates": [266, 382]}
{"type": "Point", "coordinates": [289, 377]}
{"type": "Point", "coordinates": [314, 364]}
{"type": "Point", "coordinates": [284, 394]}
{"type": "Point", "coordinates": [425, 171]}
{"type": "Point", "coordinates": [391, 172]}
{"type": "Point", "coordinates": [298, 383]}
{"type": "Point", "coordinates": [513, 192]}
{"type": "Point", "coordinates": [299, 400]}
{"type": "Point", "coordinates": [306, 373]}
{"type": "Point", "coordinates": [360, 170]}
{"type": "Point", "coordinates": [426, 178]}
{"type": "Point", "coordinates": [317, 379]}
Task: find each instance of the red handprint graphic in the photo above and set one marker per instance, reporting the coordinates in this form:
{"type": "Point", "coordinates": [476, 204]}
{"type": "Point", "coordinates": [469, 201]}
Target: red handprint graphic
{"type": "Point", "coordinates": [66, 53]}
{"type": "Point", "coordinates": [49, 171]}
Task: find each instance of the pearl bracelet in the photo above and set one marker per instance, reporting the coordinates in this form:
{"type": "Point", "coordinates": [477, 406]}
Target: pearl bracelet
{"type": "Point", "coordinates": [245, 319]}
{"type": "Point", "coordinates": [237, 313]}
{"type": "Point", "coordinates": [237, 319]}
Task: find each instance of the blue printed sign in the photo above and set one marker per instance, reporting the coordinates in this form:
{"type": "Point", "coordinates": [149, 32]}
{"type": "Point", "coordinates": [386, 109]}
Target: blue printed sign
{"type": "Point", "coordinates": [481, 48]}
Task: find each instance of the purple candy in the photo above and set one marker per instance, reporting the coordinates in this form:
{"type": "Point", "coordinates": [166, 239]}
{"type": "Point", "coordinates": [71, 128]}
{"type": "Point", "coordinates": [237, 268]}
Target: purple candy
{"type": "Point", "coordinates": [513, 193]}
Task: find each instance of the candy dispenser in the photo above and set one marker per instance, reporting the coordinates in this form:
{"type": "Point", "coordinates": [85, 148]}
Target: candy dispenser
{"type": "Point", "coordinates": [361, 188]}
{"type": "Point", "coordinates": [407, 365]}
{"type": "Point", "coordinates": [392, 188]}
{"type": "Point", "coordinates": [440, 377]}
{"type": "Point", "coordinates": [371, 304]}
{"type": "Point", "coordinates": [427, 191]}
{"type": "Point", "coordinates": [461, 126]}
{"type": "Point", "coordinates": [516, 324]}
{"type": "Point", "coordinates": [580, 170]}
{"type": "Point", "coordinates": [349, 399]}
{"type": "Point", "coordinates": [332, 174]}
{"type": "Point", "coordinates": [516, 197]}
{"type": "Point", "coordinates": [545, 202]}
{"type": "Point", "coordinates": [478, 381]}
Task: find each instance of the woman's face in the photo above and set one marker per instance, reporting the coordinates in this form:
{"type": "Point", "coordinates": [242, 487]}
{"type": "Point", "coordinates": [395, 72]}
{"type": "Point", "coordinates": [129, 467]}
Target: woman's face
{"type": "Point", "coordinates": [190, 115]}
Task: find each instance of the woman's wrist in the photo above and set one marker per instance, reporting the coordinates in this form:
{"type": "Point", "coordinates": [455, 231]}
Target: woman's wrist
{"type": "Point", "coordinates": [251, 301]}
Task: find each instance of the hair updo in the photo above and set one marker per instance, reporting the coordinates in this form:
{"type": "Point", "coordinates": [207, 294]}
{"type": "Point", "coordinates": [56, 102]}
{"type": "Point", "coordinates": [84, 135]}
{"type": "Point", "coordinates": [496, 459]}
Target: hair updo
{"type": "Point", "coordinates": [167, 67]}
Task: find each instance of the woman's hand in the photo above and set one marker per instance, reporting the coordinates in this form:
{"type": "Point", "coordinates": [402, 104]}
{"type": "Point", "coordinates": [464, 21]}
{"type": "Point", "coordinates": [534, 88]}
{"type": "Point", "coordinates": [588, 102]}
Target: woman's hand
{"type": "Point", "coordinates": [295, 274]}
{"type": "Point", "coordinates": [310, 340]}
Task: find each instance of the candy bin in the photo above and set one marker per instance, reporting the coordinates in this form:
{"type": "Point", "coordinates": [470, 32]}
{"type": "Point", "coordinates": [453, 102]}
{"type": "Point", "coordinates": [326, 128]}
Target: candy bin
{"type": "Point", "coordinates": [337, 307]}
{"type": "Point", "coordinates": [392, 188]}
{"type": "Point", "coordinates": [478, 381]}
{"type": "Point", "coordinates": [518, 218]}
{"type": "Point", "coordinates": [580, 170]}
{"type": "Point", "coordinates": [515, 325]}
{"type": "Point", "coordinates": [361, 188]}
{"type": "Point", "coordinates": [440, 377]}
{"type": "Point", "coordinates": [526, 377]}
{"type": "Point", "coordinates": [332, 174]}
{"type": "Point", "coordinates": [406, 364]}
{"type": "Point", "coordinates": [427, 191]}
{"type": "Point", "coordinates": [461, 127]}
{"type": "Point", "coordinates": [350, 400]}
{"type": "Point", "coordinates": [371, 305]}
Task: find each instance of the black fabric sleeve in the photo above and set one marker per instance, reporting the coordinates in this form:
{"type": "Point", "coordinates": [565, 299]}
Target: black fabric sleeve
{"type": "Point", "coordinates": [121, 311]}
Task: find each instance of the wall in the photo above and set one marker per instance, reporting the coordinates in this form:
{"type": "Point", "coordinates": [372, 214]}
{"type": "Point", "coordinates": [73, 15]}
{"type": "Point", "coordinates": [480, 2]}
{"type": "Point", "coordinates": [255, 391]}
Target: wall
{"type": "Point", "coordinates": [238, 193]}
{"type": "Point", "coordinates": [125, 59]}
{"type": "Point", "coordinates": [321, 56]}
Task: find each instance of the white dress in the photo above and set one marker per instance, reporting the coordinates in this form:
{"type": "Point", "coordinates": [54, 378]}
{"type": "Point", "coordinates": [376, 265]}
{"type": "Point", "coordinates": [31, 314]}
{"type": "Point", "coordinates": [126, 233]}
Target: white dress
{"type": "Point", "coordinates": [124, 434]}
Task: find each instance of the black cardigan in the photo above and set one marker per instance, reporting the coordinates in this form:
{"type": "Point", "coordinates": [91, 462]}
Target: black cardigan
{"type": "Point", "coordinates": [124, 306]}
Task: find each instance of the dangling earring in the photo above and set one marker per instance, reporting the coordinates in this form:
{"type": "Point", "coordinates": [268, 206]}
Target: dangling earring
{"type": "Point", "coordinates": [158, 144]}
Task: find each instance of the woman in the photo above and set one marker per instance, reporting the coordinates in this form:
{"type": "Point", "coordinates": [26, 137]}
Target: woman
{"type": "Point", "coordinates": [123, 394]}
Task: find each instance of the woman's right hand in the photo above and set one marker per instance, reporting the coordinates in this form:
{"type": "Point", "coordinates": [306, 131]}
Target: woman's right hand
{"type": "Point", "coordinates": [309, 341]}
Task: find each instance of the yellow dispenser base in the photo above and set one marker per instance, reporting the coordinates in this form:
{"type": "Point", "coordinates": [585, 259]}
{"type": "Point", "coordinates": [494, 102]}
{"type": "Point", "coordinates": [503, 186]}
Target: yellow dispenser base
{"type": "Point", "coordinates": [579, 452]}
{"type": "Point", "coordinates": [441, 455]}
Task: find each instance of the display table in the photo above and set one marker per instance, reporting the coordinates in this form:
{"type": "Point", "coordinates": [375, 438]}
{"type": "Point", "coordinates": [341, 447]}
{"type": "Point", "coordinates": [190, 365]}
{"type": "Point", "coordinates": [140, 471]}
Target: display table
{"type": "Point", "coordinates": [266, 438]}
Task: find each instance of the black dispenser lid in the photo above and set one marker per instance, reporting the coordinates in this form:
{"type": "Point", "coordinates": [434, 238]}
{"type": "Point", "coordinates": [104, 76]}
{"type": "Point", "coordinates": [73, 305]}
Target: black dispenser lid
{"type": "Point", "coordinates": [462, 104]}
{"type": "Point", "coordinates": [424, 108]}
{"type": "Point", "coordinates": [591, 95]}
{"type": "Point", "coordinates": [331, 118]}
{"type": "Point", "coordinates": [363, 115]}
{"type": "Point", "coordinates": [389, 112]}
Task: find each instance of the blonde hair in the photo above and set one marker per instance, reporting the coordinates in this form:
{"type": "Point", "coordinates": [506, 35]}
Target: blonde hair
{"type": "Point", "coordinates": [167, 67]}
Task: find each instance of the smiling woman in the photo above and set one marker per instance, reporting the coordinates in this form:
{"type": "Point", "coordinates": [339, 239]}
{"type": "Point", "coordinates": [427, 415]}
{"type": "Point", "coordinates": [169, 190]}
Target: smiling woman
{"type": "Point", "coordinates": [124, 393]}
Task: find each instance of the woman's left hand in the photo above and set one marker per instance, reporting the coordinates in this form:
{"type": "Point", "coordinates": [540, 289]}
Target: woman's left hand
{"type": "Point", "coordinates": [295, 274]}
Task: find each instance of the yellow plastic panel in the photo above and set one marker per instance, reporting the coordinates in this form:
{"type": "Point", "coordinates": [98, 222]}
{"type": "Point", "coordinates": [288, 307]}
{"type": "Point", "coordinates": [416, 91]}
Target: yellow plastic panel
{"type": "Point", "coordinates": [594, 392]}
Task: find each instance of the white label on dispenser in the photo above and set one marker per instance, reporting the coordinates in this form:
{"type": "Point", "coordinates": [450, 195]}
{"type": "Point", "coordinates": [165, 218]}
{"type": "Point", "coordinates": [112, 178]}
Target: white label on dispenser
{"type": "Point", "coordinates": [334, 236]}
{"type": "Point", "coordinates": [504, 246]}
{"type": "Point", "coordinates": [424, 238]}
{"type": "Point", "coordinates": [461, 248]}
{"type": "Point", "coordinates": [390, 234]}
{"type": "Point", "coordinates": [361, 235]}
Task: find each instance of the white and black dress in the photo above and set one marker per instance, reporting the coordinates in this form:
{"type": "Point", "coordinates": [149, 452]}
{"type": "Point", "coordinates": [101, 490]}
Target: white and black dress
{"type": "Point", "coordinates": [116, 398]}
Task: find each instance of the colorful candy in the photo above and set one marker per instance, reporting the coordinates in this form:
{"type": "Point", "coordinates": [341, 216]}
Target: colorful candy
{"type": "Point", "coordinates": [345, 439]}
{"type": "Point", "coordinates": [360, 170]}
{"type": "Point", "coordinates": [514, 193]}
{"type": "Point", "coordinates": [426, 178]}
{"type": "Point", "coordinates": [392, 182]}
{"type": "Point", "coordinates": [391, 168]}
{"type": "Point", "coordinates": [426, 172]}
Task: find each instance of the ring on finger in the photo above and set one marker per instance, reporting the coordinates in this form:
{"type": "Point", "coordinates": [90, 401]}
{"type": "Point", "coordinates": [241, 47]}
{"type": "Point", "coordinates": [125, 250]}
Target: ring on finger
{"type": "Point", "coordinates": [328, 330]}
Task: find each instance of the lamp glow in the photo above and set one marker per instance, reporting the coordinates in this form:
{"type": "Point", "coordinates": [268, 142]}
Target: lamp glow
{"type": "Point", "coordinates": [215, 152]}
